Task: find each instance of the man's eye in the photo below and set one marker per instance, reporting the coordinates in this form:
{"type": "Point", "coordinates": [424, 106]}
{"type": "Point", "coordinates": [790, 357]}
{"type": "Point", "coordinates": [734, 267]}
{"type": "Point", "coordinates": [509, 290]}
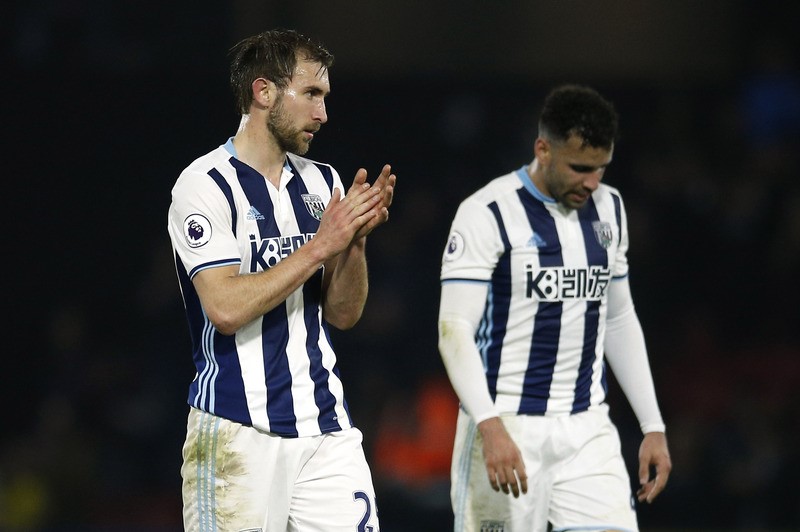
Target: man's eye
{"type": "Point", "coordinates": [581, 169]}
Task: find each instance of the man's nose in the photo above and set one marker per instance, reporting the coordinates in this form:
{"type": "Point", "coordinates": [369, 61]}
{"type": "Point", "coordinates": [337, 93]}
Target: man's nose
{"type": "Point", "coordinates": [320, 114]}
{"type": "Point", "coordinates": [592, 180]}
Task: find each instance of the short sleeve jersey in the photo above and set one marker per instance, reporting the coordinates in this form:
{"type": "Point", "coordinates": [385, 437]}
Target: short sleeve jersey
{"type": "Point", "coordinates": [548, 269]}
{"type": "Point", "coordinates": [277, 373]}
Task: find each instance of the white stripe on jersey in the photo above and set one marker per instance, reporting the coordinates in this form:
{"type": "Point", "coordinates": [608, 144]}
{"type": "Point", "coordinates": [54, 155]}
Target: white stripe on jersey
{"type": "Point", "coordinates": [571, 338]}
{"type": "Point", "coordinates": [251, 358]}
{"type": "Point", "coordinates": [299, 364]}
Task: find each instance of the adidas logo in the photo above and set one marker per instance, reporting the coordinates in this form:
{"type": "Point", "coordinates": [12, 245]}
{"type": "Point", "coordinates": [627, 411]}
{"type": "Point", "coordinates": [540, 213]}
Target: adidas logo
{"type": "Point", "coordinates": [537, 241]}
{"type": "Point", "coordinates": [253, 214]}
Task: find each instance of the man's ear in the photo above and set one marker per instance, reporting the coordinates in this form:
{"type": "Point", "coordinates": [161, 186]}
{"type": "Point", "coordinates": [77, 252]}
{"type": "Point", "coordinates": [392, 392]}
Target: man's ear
{"type": "Point", "coordinates": [264, 92]}
{"type": "Point", "coordinates": [542, 150]}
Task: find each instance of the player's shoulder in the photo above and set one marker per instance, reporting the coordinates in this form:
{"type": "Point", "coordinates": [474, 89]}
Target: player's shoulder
{"type": "Point", "coordinates": [218, 158]}
{"type": "Point", "coordinates": [494, 189]}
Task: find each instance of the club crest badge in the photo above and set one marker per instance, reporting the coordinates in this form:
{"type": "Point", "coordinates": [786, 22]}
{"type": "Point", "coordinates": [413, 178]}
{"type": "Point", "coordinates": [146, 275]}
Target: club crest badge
{"type": "Point", "coordinates": [603, 233]}
{"type": "Point", "coordinates": [314, 205]}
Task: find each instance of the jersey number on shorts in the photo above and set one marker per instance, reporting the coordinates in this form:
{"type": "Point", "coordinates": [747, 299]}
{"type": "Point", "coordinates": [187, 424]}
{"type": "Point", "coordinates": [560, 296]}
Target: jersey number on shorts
{"type": "Point", "coordinates": [362, 525]}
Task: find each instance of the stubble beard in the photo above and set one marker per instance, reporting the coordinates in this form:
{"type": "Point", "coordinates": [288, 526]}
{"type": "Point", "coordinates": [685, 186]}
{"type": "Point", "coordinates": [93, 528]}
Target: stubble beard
{"type": "Point", "coordinates": [560, 193]}
{"type": "Point", "coordinates": [289, 138]}
{"type": "Point", "coordinates": [568, 203]}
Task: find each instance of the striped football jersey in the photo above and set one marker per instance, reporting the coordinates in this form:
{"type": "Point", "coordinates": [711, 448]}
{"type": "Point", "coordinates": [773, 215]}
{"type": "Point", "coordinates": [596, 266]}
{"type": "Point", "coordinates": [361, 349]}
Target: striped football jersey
{"type": "Point", "coordinates": [278, 373]}
{"type": "Point", "coordinates": [548, 269]}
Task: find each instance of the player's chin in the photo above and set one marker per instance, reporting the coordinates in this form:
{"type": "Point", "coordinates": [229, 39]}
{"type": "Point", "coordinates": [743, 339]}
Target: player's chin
{"type": "Point", "coordinates": [302, 148]}
{"type": "Point", "coordinates": [575, 201]}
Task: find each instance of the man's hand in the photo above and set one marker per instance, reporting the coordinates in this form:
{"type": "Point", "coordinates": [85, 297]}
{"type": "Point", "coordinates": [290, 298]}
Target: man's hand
{"type": "Point", "coordinates": [345, 217]}
{"type": "Point", "coordinates": [503, 459]}
{"type": "Point", "coordinates": [653, 453]}
{"type": "Point", "coordinates": [385, 184]}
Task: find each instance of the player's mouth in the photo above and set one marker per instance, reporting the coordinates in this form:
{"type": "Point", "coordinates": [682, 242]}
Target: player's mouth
{"type": "Point", "coordinates": [577, 197]}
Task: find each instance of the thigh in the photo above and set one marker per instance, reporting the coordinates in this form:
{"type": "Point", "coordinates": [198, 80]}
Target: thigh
{"type": "Point", "coordinates": [234, 476]}
{"type": "Point", "coordinates": [334, 490]}
{"type": "Point", "coordinates": [476, 506]}
{"type": "Point", "coordinates": [592, 488]}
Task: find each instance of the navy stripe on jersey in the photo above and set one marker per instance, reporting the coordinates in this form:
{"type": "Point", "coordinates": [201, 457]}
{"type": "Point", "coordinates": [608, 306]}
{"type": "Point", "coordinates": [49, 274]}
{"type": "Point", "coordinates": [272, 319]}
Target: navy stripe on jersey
{"type": "Point", "coordinates": [254, 187]}
{"type": "Point", "coordinates": [194, 311]}
{"type": "Point", "coordinates": [325, 400]}
{"type": "Point", "coordinates": [206, 343]}
{"type": "Point", "coordinates": [498, 306]}
{"type": "Point", "coordinates": [213, 264]}
{"type": "Point", "coordinates": [274, 339]}
{"type": "Point", "coordinates": [327, 174]}
{"type": "Point", "coordinates": [214, 378]}
{"type": "Point", "coordinates": [584, 381]}
{"type": "Point", "coordinates": [596, 255]}
{"type": "Point", "coordinates": [226, 190]}
{"type": "Point", "coordinates": [547, 324]}
{"type": "Point", "coordinates": [207, 368]}
{"type": "Point", "coordinates": [228, 394]}
{"type": "Point", "coordinates": [327, 334]}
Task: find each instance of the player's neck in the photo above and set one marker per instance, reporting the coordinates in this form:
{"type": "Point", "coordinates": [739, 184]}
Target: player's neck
{"type": "Point", "coordinates": [257, 148]}
{"type": "Point", "coordinates": [536, 175]}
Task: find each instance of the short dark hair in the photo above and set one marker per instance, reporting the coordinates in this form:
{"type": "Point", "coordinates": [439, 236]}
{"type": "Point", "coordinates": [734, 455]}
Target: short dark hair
{"type": "Point", "coordinates": [271, 55]}
{"type": "Point", "coordinates": [581, 111]}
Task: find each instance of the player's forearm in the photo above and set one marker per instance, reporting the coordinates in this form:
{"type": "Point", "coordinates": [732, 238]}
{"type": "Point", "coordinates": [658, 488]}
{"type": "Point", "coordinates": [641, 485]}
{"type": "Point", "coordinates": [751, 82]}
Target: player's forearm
{"type": "Point", "coordinates": [626, 353]}
{"type": "Point", "coordinates": [462, 361]}
{"type": "Point", "coordinates": [460, 309]}
{"type": "Point", "coordinates": [627, 356]}
{"type": "Point", "coordinates": [346, 294]}
{"type": "Point", "coordinates": [232, 300]}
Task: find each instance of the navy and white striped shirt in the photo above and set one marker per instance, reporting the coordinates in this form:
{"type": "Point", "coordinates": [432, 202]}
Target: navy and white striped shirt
{"type": "Point", "coordinates": [277, 373]}
{"type": "Point", "coordinates": [548, 270]}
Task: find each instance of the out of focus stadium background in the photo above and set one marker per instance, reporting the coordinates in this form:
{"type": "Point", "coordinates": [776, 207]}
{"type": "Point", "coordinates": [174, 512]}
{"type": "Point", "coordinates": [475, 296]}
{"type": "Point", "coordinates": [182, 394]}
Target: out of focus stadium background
{"type": "Point", "coordinates": [105, 103]}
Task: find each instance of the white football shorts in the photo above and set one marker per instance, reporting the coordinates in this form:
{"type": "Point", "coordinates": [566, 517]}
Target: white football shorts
{"type": "Point", "coordinates": [239, 479]}
{"type": "Point", "coordinates": [577, 478]}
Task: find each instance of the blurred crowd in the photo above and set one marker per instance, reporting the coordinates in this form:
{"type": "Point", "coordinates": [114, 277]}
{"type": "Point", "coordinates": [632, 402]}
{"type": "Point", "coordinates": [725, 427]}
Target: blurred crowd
{"type": "Point", "coordinates": [99, 366]}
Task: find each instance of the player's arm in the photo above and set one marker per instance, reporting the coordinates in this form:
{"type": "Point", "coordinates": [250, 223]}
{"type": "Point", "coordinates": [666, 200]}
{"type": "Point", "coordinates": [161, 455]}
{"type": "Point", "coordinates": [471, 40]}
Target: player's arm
{"type": "Point", "coordinates": [346, 281]}
{"type": "Point", "coordinates": [626, 353]}
{"type": "Point", "coordinates": [232, 300]}
{"type": "Point", "coordinates": [346, 286]}
{"type": "Point", "coordinates": [460, 310]}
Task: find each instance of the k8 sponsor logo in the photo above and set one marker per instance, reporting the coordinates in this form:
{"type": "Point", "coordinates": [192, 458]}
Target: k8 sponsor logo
{"type": "Point", "coordinates": [556, 284]}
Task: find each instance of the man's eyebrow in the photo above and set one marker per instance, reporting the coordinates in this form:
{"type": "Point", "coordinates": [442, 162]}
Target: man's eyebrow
{"type": "Point", "coordinates": [586, 168]}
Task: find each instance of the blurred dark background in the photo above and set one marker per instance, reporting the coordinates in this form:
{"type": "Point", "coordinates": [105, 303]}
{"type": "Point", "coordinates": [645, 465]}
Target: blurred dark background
{"type": "Point", "coordinates": [105, 103]}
